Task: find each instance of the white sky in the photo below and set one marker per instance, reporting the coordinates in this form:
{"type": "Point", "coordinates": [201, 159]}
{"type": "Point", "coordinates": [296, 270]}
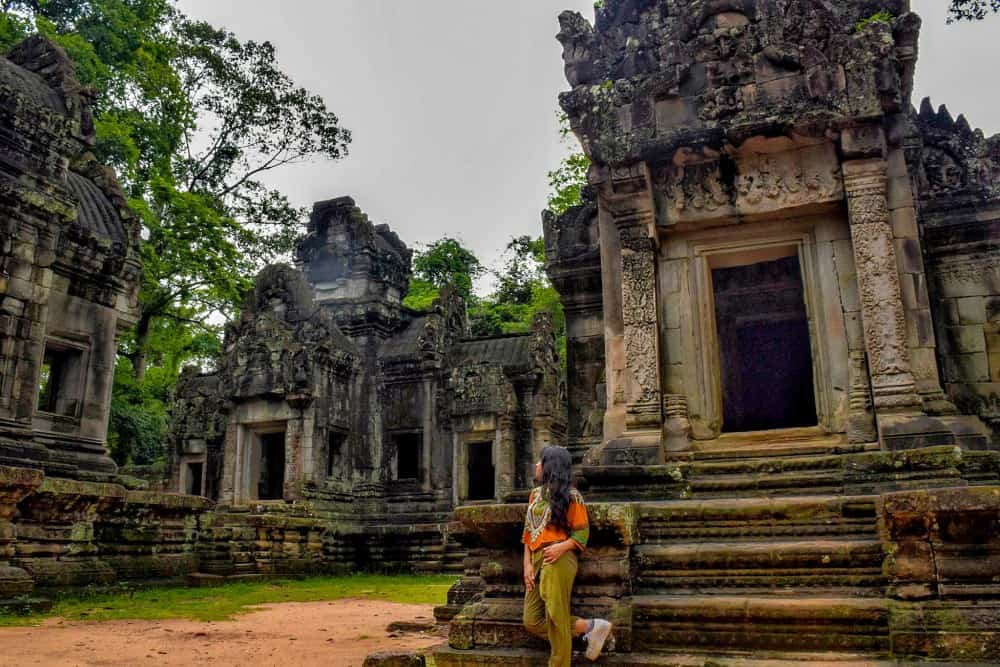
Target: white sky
{"type": "Point", "coordinates": [452, 103]}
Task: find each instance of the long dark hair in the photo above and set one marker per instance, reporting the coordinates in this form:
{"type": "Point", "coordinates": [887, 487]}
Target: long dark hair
{"type": "Point", "coordinates": [557, 481]}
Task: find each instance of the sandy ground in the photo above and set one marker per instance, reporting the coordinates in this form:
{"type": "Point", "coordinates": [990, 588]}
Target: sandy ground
{"type": "Point", "coordinates": [336, 634]}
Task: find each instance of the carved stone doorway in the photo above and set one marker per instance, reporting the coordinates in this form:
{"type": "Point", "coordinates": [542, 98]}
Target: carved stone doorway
{"type": "Point", "coordinates": [765, 351]}
{"type": "Point", "coordinates": [271, 471]}
{"type": "Point", "coordinates": [482, 472]}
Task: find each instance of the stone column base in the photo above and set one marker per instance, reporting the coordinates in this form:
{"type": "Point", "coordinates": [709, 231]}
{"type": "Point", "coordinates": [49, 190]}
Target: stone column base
{"type": "Point", "coordinates": [915, 430]}
{"type": "Point", "coordinates": [641, 448]}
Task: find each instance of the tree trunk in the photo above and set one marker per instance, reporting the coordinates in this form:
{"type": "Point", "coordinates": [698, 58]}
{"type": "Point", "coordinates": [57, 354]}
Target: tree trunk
{"type": "Point", "coordinates": [138, 358]}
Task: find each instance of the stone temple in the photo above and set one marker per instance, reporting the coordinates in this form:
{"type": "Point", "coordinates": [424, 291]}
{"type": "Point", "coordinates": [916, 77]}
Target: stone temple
{"type": "Point", "coordinates": [782, 392]}
{"type": "Point", "coordinates": [333, 396]}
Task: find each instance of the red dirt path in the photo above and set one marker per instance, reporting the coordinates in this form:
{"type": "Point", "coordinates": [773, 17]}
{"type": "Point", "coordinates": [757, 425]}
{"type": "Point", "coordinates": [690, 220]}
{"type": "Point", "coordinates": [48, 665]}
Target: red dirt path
{"type": "Point", "coordinates": [335, 634]}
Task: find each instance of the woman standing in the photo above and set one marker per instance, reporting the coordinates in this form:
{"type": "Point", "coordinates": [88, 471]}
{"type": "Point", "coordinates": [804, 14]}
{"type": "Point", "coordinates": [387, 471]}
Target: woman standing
{"type": "Point", "coordinates": [555, 529]}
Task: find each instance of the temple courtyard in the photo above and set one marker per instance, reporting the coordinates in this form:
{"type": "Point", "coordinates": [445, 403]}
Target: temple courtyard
{"type": "Point", "coordinates": [237, 624]}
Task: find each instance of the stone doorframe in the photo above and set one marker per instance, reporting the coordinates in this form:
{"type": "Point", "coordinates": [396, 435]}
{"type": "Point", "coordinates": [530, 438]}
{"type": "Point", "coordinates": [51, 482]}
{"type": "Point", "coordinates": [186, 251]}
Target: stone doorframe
{"type": "Point", "coordinates": [483, 428]}
{"type": "Point", "coordinates": [706, 409]}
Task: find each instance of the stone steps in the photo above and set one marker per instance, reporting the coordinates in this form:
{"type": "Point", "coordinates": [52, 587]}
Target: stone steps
{"type": "Point", "coordinates": [773, 566]}
{"type": "Point", "coordinates": [449, 657]}
{"type": "Point", "coordinates": [818, 480]}
{"type": "Point", "coordinates": [775, 448]}
{"type": "Point", "coordinates": [793, 468]}
{"type": "Point", "coordinates": [758, 519]}
{"type": "Point", "coordinates": [771, 623]}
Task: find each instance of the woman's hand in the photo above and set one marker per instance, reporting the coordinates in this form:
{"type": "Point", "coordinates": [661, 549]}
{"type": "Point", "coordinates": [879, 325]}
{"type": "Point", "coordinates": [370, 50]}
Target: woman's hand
{"type": "Point", "coordinates": [529, 575]}
{"type": "Point", "coordinates": [554, 552]}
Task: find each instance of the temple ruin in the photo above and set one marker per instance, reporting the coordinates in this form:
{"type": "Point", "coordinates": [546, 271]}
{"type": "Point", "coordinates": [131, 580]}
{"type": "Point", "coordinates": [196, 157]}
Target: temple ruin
{"type": "Point", "coordinates": [782, 387]}
{"type": "Point", "coordinates": [332, 395]}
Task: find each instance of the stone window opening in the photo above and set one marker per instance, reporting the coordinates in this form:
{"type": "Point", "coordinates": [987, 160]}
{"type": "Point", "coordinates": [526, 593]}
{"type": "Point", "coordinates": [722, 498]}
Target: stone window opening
{"type": "Point", "coordinates": [408, 448]}
{"type": "Point", "coordinates": [60, 380]}
{"type": "Point", "coordinates": [336, 442]}
{"type": "Point", "coordinates": [481, 471]}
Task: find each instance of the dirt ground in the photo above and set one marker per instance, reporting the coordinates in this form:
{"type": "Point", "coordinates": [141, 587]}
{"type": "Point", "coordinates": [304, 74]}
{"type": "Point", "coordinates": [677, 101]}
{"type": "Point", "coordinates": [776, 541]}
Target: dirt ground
{"type": "Point", "coordinates": [335, 634]}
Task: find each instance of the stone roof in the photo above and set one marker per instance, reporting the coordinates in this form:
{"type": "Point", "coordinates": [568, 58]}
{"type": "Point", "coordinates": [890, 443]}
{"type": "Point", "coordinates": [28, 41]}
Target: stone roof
{"type": "Point", "coordinates": [31, 85]}
{"type": "Point", "coordinates": [406, 343]}
{"type": "Point", "coordinates": [513, 352]}
{"type": "Point", "coordinates": [95, 211]}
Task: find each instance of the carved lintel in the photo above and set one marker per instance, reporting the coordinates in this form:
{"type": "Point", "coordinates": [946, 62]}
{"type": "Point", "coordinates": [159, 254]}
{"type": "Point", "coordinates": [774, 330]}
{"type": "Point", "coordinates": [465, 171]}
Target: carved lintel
{"type": "Point", "coordinates": [883, 316]}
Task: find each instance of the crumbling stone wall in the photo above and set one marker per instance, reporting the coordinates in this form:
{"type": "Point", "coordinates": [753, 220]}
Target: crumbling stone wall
{"type": "Point", "coordinates": [60, 533]}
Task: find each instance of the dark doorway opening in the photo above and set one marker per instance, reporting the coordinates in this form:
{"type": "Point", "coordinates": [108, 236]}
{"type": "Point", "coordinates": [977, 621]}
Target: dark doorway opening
{"type": "Point", "coordinates": [408, 446]}
{"type": "Point", "coordinates": [765, 351]}
{"type": "Point", "coordinates": [271, 485]}
{"type": "Point", "coordinates": [194, 475]}
{"type": "Point", "coordinates": [482, 478]}
{"type": "Point", "coordinates": [335, 453]}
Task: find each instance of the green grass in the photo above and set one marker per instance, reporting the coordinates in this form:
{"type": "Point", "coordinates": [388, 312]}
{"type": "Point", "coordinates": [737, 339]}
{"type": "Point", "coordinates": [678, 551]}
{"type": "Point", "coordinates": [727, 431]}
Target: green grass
{"type": "Point", "coordinates": [225, 602]}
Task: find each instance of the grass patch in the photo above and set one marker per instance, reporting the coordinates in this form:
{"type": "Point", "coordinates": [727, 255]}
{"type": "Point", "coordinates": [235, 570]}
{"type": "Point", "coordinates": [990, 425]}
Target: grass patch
{"type": "Point", "coordinates": [226, 601]}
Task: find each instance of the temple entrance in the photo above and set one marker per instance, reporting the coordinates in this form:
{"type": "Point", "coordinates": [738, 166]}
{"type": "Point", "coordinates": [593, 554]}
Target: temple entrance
{"type": "Point", "coordinates": [482, 474]}
{"type": "Point", "coordinates": [271, 482]}
{"type": "Point", "coordinates": [764, 346]}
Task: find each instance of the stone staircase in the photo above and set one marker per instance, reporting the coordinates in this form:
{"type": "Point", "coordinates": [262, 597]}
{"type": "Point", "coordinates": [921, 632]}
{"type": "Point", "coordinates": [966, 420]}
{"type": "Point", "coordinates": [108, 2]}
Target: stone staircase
{"type": "Point", "coordinates": [761, 554]}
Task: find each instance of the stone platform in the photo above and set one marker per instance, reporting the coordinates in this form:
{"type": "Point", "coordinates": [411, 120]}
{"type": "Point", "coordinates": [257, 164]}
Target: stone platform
{"type": "Point", "coordinates": [808, 555]}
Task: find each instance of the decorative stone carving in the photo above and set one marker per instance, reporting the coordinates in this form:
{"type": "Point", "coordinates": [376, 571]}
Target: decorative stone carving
{"type": "Point", "coordinates": [784, 182]}
{"type": "Point", "coordinates": [953, 160]}
{"type": "Point", "coordinates": [281, 341]}
{"type": "Point", "coordinates": [630, 202]}
{"type": "Point", "coordinates": [480, 390]}
{"type": "Point", "coordinates": [698, 188]}
{"type": "Point", "coordinates": [878, 278]}
{"type": "Point", "coordinates": [686, 69]}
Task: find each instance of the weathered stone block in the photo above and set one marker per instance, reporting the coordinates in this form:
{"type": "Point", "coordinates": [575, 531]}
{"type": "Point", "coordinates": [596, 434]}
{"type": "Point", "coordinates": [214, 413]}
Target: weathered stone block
{"type": "Point", "coordinates": [967, 339]}
{"type": "Point", "coordinates": [971, 310]}
{"type": "Point", "coordinates": [904, 223]}
{"type": "Point", "coordinates": [395, 659]}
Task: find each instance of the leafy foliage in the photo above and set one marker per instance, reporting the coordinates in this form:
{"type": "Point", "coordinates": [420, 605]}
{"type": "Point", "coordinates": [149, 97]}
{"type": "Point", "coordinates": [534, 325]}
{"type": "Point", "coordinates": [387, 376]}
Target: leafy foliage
{"type": "Point", "coordinates": [567, 180]}
{"type": "Point", "coordinates": [522, 289]}
{"type": "Point", "coordinates": [971, 10]}
{"type": "Point", "coordinates": [879, 17]}
{"type": "Point", "coordinates": [446, 262]}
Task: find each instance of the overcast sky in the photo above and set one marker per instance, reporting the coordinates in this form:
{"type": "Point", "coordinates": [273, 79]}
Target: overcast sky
{"type": "Point", "coordinates": [452, 103]}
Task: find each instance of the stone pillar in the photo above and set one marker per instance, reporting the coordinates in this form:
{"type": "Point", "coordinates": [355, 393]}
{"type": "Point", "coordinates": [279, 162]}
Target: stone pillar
{"type": "Point", "coordinates": [630, 203]}
{"type": "Point", "coordinates": [893, 386]}
{"type": "Point", "coordinates": [505, 456]}
{"type": "Point", "coordinates": [428, 433]}
{"type": "Point", "coordinates": [861, 427]}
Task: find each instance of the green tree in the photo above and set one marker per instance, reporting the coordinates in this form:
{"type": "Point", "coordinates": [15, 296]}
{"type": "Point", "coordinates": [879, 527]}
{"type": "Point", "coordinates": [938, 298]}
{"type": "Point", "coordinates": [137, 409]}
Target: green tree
{"type": "Point", "coordinates": [523, 290]}
{"type": "Point", "coordinates": [444, 262]}
{"type": "Point", "coordinates": [568, 179]}
{"type": "Point", "coordinates": [971, 10]}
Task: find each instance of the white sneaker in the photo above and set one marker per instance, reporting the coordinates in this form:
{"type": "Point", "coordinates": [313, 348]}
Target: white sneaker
{"type": "Point", "coordinates": [596, 638]}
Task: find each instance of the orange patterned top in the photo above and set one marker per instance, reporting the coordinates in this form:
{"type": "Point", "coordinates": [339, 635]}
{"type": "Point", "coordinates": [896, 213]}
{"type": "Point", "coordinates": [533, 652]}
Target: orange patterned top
{"type": "Point", "coordinates": [537, 528]}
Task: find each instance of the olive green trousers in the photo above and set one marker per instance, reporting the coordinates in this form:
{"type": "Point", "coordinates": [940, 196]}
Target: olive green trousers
{"type": "Point", "coordinates": [546, 608]}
